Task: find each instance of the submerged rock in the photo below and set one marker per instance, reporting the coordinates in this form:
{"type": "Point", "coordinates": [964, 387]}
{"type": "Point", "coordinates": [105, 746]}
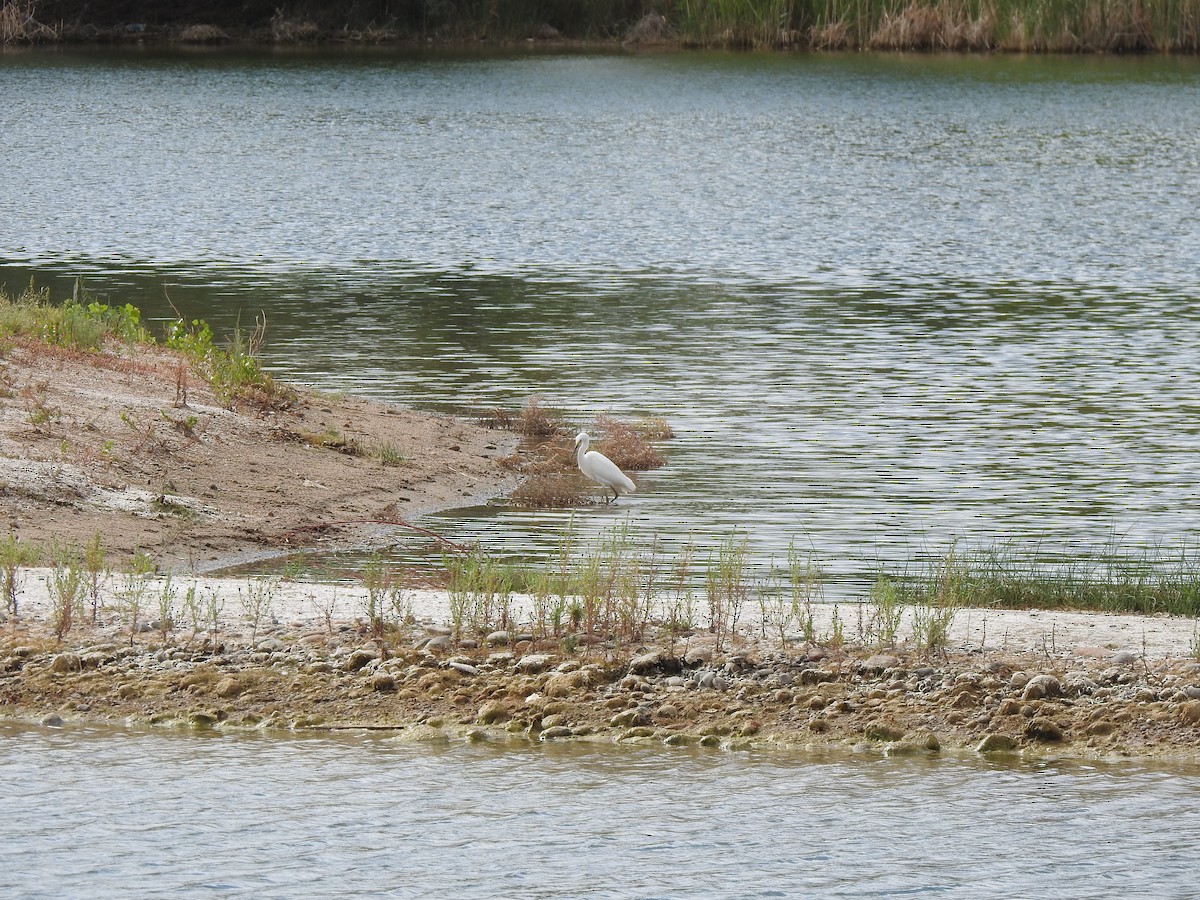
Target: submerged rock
{"type": "Point", "coordinates": [997, 743]}
{"type": "Point", "coordinates": [883, 731]}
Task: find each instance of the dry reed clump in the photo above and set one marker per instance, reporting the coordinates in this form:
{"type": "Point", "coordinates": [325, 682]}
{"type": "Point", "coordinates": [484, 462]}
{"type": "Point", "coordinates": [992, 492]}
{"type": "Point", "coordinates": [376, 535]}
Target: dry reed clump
{"type": "Point", "coordinates": [551, 492]}
{"type": "Point", "coordinates": [933, 28]}
{"type": "Point", "coordinates": [536, 420]}
{"type": "Point", "coordinates": [833, 35]}
{"type": "Point", "coordinates": [286, 30]}
{"type": "Point", "coordinates": [18, 25]}
{"type": "Point", "coordinates": [496, 417]}
{"type": "Point", "coordinates": [625, 446]}
{"type": "Point", "coordinates": [203, 34]}
{"type": "Point", "coordinates": [654, 428]}
{"type": "Point", "coordinates": [649, 29]}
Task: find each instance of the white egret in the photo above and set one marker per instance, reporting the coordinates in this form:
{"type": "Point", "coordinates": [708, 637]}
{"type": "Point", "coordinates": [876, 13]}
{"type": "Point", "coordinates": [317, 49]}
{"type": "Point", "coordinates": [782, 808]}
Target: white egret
{"type": "Point", "coordinates": [601, 469]}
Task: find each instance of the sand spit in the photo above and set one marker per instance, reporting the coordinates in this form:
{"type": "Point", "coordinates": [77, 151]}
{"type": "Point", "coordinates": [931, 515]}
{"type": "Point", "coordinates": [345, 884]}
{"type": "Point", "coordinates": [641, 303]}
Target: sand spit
{"type": "Point", "coordinates": [1019, 682]}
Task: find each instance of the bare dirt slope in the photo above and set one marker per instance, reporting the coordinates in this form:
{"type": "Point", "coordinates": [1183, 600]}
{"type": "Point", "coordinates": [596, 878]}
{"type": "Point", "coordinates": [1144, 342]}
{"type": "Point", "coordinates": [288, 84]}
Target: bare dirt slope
{"type": "Point", "coordinates": [133, 445]}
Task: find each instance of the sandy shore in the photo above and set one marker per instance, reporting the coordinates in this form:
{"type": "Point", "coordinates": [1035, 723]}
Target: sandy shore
{"type": "Point", "coordinates": [132, 446]}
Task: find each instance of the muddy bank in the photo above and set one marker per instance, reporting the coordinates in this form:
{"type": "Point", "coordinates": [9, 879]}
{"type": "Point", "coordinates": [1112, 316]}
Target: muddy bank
{"type": "Point", "coordinates": [131, 445]}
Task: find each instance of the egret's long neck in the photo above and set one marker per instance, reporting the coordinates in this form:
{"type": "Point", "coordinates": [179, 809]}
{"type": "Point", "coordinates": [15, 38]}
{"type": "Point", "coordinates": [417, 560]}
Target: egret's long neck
{"type": "Point", "coordinates": [579, 451]}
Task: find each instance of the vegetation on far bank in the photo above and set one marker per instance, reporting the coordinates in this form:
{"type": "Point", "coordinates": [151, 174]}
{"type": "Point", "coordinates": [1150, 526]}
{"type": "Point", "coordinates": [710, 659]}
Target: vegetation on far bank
{"type": "Point", "coordinates": [1114, 26]}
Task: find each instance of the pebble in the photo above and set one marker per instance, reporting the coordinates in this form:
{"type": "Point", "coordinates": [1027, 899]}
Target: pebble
{"type": "Point", "coordinates": [880, 662]}
{"type": "Point", "coordinates": [1043, 729]}
{"type": "Point", "coordinates": [383, 682]}
{"type": "Point", "coordinates": [464, 668]}
{"type": "Point", "coordinates": [52, 721]}
{"type": "Point", "coordinates": [358, 659]}
{"type": "Point", "coordinates": [1125, 658]}
{"type": "Point", "coordinates": [497, 637]}
{"type": "Point", "coordinates": [1190, 712]}
{"type": "Point", "coordinates": [492, 712]}
{"type": "Point", "coordinates": [66, 662]}
{"type": "Point", "coordinates": [441, 642]}
{"type": "Point", "coordinates": [1078, 684]}
{"type": "Point", "coordinates": [653, 663]}
{"type": "Point", "coordinates": [629, 718]}
{"type": "Point", "coordinates": [534, 663]}
{"type": "Point", "coordinates": [1040, 686]}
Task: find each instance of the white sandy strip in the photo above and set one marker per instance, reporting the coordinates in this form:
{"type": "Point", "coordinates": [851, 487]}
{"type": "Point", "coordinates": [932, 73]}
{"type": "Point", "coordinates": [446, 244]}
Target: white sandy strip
{"type": "Point", "coordinates": [300, 605]}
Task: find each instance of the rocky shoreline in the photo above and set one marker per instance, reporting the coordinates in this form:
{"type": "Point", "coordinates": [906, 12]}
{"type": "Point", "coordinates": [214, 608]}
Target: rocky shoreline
{"type": "Point", "coordinates": [1086, 703]}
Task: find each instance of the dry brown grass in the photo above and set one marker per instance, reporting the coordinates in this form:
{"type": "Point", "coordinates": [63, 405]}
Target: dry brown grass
{"type": "Point", "coordinates": [835, 35]}
{"type": "Point", "coordinates": [536, 420]}
{"type": "Point", "coordinates": [203, 34]}
{"type": "Point", "coordinates": [920, 27]}
{"type": "Point", "coordinates": [287, 30]}
{"type": "Point", "coordinates": [18, 25]}
{"type": "Point", "coordinates": [625, 445]}
{"type": "Point", "coordinates": [551, 492]}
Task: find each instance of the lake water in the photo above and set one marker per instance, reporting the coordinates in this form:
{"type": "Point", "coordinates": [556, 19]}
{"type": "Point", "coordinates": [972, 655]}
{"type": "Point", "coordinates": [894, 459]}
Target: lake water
{"type": "Point", "coordinates": [886, 301]}
{"type": "Point", "coordinates": [111, 813]}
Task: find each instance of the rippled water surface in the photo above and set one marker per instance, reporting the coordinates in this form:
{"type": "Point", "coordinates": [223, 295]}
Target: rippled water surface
{"type": "Point", "coordinates": [885, 301]}
{"type": "Point", "coordinates": [113, 813]}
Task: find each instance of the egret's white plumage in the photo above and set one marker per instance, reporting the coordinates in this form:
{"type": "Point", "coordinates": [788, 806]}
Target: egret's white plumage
{"type": "Point", "coordinates": [601, 469]}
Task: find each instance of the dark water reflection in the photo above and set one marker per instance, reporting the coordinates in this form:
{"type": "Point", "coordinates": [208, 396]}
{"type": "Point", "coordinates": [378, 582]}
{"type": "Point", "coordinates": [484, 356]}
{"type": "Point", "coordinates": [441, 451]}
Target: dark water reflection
{"type": "Point", "coordinates": [112, 813]}
{"type": "Point", "coordinates": [885, 301]}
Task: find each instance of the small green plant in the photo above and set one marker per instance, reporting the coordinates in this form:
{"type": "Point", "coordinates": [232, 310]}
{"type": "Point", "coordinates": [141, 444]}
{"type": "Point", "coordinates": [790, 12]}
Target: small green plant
{"type": "Point", "coordinates": [326, 605]}
{"type": "Point", "coordinates": [40, 414]}
{"type": "Point", "coordinates": [726, 587]}
{"type": "Point", "coordinates": [836, 637]}
{"type": "Point", "coordinates": [774, 606]}
{"type": "Point", "coordinates": [131, 598]}
{"type": "Point", "coordinates": [167, 594]}
{"type": "Point", "coordinates": [258, 603]}
{"type": "Point", "coordinates": [805, 580]}
{"type": "Point", "coordinates": [293, 567]}
{"type": "Point", "coordinates": [234, 372]}
{"type": "Point", "coordinates": [887, 611]}
{"type": "Point", "coordinates": [193, 608]}
{"type": "Point", "coordinates": [390, 455]}
{"type": "Point", "coordinates": [66, 586]}
{"type": "Point", "coordinates": [95, 563]}
{"type": "Point", "coordinates": [384, 601]}
{"type": "Point", "coordinates": [214, 605]}
{"type": "Point", "coordinates": [13, 557]}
